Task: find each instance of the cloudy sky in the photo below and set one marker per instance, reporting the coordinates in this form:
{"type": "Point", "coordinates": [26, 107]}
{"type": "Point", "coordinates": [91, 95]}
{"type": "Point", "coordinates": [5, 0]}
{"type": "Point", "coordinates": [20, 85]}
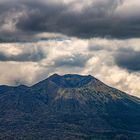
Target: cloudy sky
{"type": "Point", "coordinates": [97, 37]}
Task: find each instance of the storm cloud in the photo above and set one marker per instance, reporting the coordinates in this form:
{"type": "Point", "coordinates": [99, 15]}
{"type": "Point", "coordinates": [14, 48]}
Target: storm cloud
{"type": "Point", "coordinates": [128, 59]}
{"type": "Point", "coordinates": [86, 19]}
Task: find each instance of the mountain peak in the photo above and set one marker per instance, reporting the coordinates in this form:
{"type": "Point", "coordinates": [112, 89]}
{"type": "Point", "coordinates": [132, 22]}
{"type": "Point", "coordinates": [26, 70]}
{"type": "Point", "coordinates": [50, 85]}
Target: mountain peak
{"type": "Point", "coordinates": [71, 80]}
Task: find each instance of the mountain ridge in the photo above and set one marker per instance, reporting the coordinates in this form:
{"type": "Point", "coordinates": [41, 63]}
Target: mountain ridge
{"type": "Point", "coordinates": [75, 106]}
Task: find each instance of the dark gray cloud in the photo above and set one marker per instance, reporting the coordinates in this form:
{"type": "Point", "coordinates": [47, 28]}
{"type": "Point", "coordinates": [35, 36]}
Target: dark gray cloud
{"type": "Point", "coordinates": [26, 56]}
{"type": "Point", "coordinates": [128, 59]}
{"type": "Point", "coordinates": [96, 19]}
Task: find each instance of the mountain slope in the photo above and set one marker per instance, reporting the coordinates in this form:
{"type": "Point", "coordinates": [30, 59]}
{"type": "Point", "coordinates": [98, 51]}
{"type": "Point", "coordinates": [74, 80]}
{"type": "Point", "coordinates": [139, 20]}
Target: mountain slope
{"type": "Point", "coordinates": [68, 107]}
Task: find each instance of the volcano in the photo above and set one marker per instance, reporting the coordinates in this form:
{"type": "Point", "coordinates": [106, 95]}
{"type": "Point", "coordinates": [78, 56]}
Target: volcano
{"type": "Point", "coordinates": [68, 107]}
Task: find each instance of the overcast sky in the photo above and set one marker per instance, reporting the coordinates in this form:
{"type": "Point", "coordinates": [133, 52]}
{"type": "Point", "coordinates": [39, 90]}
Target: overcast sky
{"type": "Point", "coordinates": [97, 37]}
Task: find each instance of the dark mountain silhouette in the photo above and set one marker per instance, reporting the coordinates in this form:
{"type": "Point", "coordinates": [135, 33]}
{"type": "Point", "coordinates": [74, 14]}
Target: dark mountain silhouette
{"type": "Point", "coordinates": [68, 107]}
